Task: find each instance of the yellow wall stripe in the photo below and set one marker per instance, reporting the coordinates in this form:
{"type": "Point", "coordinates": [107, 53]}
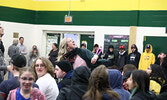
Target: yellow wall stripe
{"type": "Point", "coordinates": [87, 5]}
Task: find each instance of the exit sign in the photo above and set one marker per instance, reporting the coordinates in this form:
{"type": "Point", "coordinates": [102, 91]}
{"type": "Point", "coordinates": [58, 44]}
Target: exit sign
{"type": "Point", "coordinates": [68, 19]}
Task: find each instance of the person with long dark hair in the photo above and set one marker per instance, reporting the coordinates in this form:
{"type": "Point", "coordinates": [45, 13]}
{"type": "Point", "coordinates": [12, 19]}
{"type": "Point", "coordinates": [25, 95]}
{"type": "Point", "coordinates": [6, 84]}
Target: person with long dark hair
{"type": "Point", "coordinates": [157, 78]}
{"type": "Point", "coordinates": [99, 87]}
{"type": "Point", "coordinates": [53, 54]}
{"type": "Point", "coordinates": [139, 85]}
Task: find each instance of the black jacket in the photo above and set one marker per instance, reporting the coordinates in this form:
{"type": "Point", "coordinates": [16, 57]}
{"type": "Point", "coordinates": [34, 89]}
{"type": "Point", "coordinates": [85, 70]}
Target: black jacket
{"type": "Point", "coordinates": [134, 58]}
{"type": "Point", "coordinates": [140, 95]}
{"type": "Point", "coordinates": [121, 60]}
{"type": "Point", "coordinates": [79, 85]}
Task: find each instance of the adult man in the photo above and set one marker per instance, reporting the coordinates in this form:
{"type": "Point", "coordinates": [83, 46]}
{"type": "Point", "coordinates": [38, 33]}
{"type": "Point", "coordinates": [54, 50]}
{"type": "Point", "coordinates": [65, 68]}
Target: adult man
{"type": "Point", "coordinates": [146, 58]}
{"type": "Point", "coordinates": [2, 50]}
{"type": "Point", "coordinates": [134, 57]}
{"type": "Point", "coordinates": [17, 62]}
{"type": "Point", "coordinates": [13, 49]}
{"type": "Point", "coordinates": [63, 70]}
{"type": "Point", "coordinates": [22, 47]}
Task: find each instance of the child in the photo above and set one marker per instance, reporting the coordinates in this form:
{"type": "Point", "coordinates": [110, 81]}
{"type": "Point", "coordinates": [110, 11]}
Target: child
{"type": "Point", "coordinates": [26, 91]}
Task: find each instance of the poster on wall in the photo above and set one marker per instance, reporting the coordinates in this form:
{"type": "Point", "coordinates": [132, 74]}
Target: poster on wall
{"type": "Point", "coordinates": [116, 41]}
{"type": "Point", "coordinates": [51, 38]}
{"type": "Point", "coordinates": [72, 36]}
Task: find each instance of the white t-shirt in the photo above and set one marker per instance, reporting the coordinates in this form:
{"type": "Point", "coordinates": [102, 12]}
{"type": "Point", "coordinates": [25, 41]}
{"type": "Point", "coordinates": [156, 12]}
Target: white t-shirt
{"type": "Point", "coordinates": [48, 86]}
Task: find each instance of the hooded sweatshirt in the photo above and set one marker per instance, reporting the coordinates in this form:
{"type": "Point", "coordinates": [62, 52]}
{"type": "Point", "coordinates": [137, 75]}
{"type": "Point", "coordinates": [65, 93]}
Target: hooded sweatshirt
{"type": "Point", "coordinates": [116, 81]}
{"type": "Point", "coordinates": [134, 58]}
{"type": "Point", "coordinates": [146, 59]}
{"type": "Point", "coordinates": [79, 85]}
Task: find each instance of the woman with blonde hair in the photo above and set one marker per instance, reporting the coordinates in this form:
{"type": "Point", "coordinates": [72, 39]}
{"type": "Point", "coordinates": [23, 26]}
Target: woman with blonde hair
{"type": "Point", "coordinates": [99, 87]}
{"type": "Point", "coordinates": [45, 77]}
{"type": "Point", "coordinates": [77, 56]}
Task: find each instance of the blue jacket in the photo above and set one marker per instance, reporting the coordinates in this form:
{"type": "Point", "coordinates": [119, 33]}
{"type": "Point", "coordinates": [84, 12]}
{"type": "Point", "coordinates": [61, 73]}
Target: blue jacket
{"type": "Point", "coordinates": [116, 82]}
{"type": "Point", "coordinates": [66, 80]}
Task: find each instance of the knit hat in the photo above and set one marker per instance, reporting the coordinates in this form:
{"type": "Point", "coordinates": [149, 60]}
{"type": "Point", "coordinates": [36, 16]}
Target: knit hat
{"type": "Point", "coordinates": [18, 60]}
{"type": "Point", "coordinates": [64, 66]}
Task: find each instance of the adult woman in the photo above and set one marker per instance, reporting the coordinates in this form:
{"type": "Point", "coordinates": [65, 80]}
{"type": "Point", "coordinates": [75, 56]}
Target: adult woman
{"type": "Point", "coordinates": [139, 85]}
{"type": "Point", "coordinates": [26, 91]}
{"type": "Point", "coordinates": [77, 56]}
{"type": "Point", "coordinates": [33, 55]}
{"type": "Point", "coordinates": [157, 78]}
{"type": "Point", "coordinates": [53, 53]}
{"type": "Point", "coordinates": [99, 88]}
{"type": "Point", "coordinates": [45, 77]}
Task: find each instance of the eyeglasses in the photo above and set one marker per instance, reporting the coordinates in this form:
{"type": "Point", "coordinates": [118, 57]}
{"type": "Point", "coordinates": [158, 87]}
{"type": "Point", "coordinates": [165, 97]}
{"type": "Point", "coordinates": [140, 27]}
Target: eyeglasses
{"type": "Point", "coordinates": [41, 65]}
{"type": "Point", "coordinates": [29, 79]}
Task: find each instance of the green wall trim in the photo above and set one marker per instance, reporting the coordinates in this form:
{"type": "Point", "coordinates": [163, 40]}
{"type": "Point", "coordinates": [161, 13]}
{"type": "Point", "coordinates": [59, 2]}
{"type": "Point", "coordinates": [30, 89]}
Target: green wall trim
{"type": "Point", "coordinates": [91, 18]}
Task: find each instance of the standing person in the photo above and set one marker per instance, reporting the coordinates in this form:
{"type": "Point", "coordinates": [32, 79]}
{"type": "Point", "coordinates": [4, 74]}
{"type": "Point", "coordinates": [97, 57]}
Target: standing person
{"type": "Point", "coordinates": [22, 47]}
{"type": "Point", "coordinates": [116, 81]}
{"type": "Point", "coordinates": [95, 48]}
{"type": "Point", "coordinates": [77, 56]}
{"type": "Point", "coordinates": [45, 77]}
{"type": "Point", "coordinates": [139, 85]}
{"type": "Point", "coordinates": [13, 50]}
{"type": "Point", "coordinates": [63, 70]}
{"type": "Point", "coordinates": [134, 57]}
{"type": "Point", "coordinates": [53, 53]}
{"type": "Point", "coordinates": [162, 61]}
{"type": "Point", "coordinates": [26, 90]}
{"type": "Point", "coordinates": [33, 55]}
{"type": "Point", "coordinates": [109, 55]}
{"type": "Point", "coordinates": [157, 78]}
{"type": "Point", "coordinates": [2, 50]}
{"type": "Point", "coordinates": [146, 58]}
{"type": "Point", "coordinates": [121, 58]}
{"type": "Point", "coordinates": [78, 87]}
{"type": "Point", "coordinates": [99, 88]}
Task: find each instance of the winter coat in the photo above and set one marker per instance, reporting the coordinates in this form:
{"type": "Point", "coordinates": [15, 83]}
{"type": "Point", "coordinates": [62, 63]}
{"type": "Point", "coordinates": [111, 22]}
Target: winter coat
{"type": "Point", "coordinates": [79, 85]}
{"type": "Point", "coordinates": [121, 60]}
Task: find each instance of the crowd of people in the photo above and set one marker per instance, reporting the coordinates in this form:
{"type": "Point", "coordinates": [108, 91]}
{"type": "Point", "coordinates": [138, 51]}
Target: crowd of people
{"type": "Point", "coordinates": [72, 73]}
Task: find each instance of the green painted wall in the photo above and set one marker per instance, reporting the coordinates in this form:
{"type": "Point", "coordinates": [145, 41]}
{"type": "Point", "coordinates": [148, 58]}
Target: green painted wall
{"type": "Point", "coordinates": [95, 18]}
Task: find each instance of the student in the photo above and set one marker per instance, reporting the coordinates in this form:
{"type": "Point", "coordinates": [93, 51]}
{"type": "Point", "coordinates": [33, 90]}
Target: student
{"type": "Point", "coordinates": [157, 78]}
{"type": "Point", "coordinates": [17, 62]}
{"type": "Point", "coordinates": [134, 57]}
{"type": "Point", "coordinates": [121, 58]}
{"type": "Point", "coordinates": [109, 55]}
{"type": "Point", "coordinates": [99, 88]}
{"type": "Point", "coordinates": [139, 85]}
{"type": "Point", "coordinates": [79, 85]}
{"type": "Point", "coordinates": [63, 70]}
{"type": "Point", "coordinates": [26, 91]}
{"type": "Point", "coordinates": [146, 58]}
{"type": "Point", "coordinates": [116, 81]}
{"type": "Point", "coordinates": [45, 77]}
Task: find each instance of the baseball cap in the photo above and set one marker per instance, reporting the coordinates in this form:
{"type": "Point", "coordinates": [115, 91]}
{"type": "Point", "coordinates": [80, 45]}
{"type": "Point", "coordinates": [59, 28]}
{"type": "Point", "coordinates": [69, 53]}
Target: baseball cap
{"type": "Point", "coordinates": [133, 46]}
{"type": "Point", "coordinates": [121, 47]}
{"type": "Point", "coordinates": [148, 46]}
{"type": "Point", "coordinates": [19, 60]}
